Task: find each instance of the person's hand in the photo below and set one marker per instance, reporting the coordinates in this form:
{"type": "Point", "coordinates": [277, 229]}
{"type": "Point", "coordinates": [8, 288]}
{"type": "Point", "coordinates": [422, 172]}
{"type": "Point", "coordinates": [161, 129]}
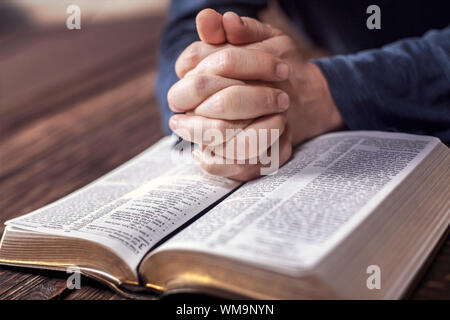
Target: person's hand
{"type": "Point", "coordinates": [244, 75]}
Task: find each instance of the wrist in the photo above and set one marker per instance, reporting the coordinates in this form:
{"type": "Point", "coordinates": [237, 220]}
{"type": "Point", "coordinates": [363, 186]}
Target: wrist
{"type": "Point", "coordinates": [332, 116]}
{"type": "Point", "coordinates": [316, 104]}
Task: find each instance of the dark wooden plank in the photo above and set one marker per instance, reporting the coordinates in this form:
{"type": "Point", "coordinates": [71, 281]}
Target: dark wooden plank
{"type": "Point", "coordinates": [91, 290]}
{"type": "Point", "coordinates": [24, 284]}
{"type": "Point", "coordinates": [57, 67]}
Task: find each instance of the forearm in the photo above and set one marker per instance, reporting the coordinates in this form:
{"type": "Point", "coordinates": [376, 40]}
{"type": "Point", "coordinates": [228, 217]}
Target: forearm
{"type": "Point", "coordinates": [404, 86]}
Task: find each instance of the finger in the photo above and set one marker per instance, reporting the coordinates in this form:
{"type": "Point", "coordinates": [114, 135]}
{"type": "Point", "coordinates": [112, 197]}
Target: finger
{"type": "Point", "coordinates": [192, 90]}
{"type": "Point", "coordinates": [243, 102]}
{"type": "Point", "coordinates": [213, 132]}
{"type": "Point", "coordinates": [243, 30]}
{"type": "Point", "coordinates": [205, 131]}
{"type": "Point", "coordinates": [209, 26]}
{"type": "Point", "coordinates": [254, 140]}
{"type": "Point", "coordinates": [193, 54]}
{"type": "Point", "coordinates": [285, 152]}
{"type": "Point", "coordinates": [244, 64]}
{"type": "Point", "coordinates": [198, 50]}
{"type": "Point", "coordinates": [218, 166]}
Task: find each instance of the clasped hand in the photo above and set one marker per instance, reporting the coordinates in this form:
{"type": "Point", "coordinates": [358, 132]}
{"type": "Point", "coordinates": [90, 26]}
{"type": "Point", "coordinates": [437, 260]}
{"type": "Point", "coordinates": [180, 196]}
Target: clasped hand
{"type": "Point", "coordinates": [247, 79]}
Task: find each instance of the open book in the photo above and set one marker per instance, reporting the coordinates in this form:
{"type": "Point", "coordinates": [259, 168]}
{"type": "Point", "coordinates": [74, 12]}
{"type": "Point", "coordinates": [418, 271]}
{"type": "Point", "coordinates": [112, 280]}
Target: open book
{"type": "Point", "coordinates": [346, 205]}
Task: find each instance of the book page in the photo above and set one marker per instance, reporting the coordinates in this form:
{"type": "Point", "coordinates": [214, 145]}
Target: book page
{"type": "Point", "coordinates": [133, 207]}
{"type": "Point", "coordinates": [290, 220]}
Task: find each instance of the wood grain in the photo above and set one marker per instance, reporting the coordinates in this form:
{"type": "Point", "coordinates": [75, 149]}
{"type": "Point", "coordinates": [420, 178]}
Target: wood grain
{"type": "Point", "coordinates": [64, 127]}
{"type": "Point", "coordinates": [73, 106]}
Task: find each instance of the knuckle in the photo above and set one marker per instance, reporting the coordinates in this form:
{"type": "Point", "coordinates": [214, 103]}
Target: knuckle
{"type": "Point", "coordinates": [188, 59]}
{"type": "Point", "coordinates": [193, 51]}
{"type": "Point", "coordinates": [288, 43]}
{"type": "Point", "coordinates": [199, 84]}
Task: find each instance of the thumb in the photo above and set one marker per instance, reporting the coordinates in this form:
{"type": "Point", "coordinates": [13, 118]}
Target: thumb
{"type": "Point", "coordinates": [243, 30]}
{"type": "Point", "coordinates": [209, 26]}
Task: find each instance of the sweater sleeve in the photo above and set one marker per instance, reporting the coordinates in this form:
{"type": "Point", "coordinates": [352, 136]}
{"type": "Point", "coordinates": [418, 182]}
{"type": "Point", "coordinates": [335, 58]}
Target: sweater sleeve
{"type": "Point", "coordinates": [403, 86]}
{"type": "Point", "coordinates": [181, 32]}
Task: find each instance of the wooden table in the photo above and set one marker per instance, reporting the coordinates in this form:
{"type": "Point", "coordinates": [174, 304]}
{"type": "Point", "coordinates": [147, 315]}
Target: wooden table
{"type": "Point", "coordinates": [73, 106]}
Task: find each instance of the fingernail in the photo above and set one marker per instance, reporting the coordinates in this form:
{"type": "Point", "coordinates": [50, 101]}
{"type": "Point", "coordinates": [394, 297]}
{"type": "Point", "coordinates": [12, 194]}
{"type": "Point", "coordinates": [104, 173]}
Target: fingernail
{"type": "Point", "coordinates": [173, 123]}
{"type": "Point", "coordinates": [282, 71]}
{"type": "Point", "coordinates": [240, 19]}
{"type": "Point", "coordinates": [235, 15]}
{"type": "Point", "coordinates": [283, 101]}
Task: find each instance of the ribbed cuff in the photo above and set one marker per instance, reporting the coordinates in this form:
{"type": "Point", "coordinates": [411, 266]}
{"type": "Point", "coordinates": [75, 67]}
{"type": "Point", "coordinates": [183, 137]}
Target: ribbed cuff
{"type": "Point", "coordinates": [353, 97]}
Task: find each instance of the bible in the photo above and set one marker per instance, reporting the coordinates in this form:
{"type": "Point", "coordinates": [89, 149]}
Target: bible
{"type": "Point", "coordinates": [352, 215]}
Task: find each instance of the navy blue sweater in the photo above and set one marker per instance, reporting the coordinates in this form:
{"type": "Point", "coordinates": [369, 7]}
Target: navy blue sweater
{"type": "Point", "coordinates": [396, 78]}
